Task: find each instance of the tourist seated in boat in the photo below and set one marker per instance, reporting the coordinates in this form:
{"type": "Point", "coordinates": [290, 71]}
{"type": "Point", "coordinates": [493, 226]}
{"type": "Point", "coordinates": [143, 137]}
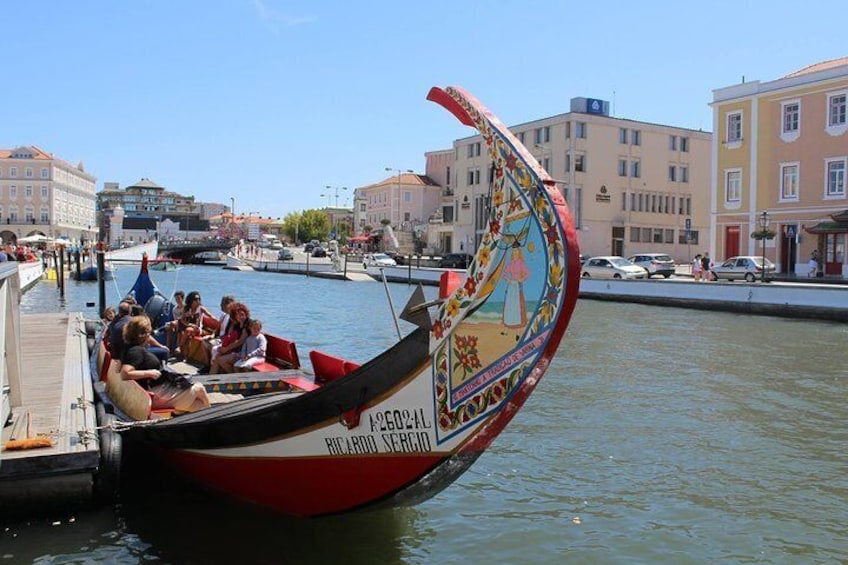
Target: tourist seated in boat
{"type": "Point", "coordinates": [191, 322]}
{"type": "Point", "coordinates": [253, 349]}
{"type": "Point", "coordinates": [229, 350]}
{"type": "Point", "coordinates": [225, 324]}
{"type": "Point", "coordinates": [172, 327]}
{"type": "Point", "coordinates": [139, 364]}
{"type": "Point", "coordinates": [109, 314]}
{"type": "Point", "coordinates": [115, 332]}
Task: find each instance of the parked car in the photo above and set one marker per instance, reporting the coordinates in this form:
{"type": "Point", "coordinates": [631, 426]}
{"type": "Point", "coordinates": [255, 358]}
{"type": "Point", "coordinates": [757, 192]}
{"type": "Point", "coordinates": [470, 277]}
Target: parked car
{"type": "Point", "coordinates": [276, 244]}
{"type": "Point", "coordinates": [378, 260]}
{"type": "Point", "coordinates": [743, 267]}
{"type": "Point", "coordinates": [455, 261]}
{"type": "Point", "coordinates": [654, 263]}
{"type": "Point", "coordinates": [612, 267]}
{"type": "Point", "coordinates": [310, 246]}
{"type": "Point", "coordinates": [285, 255]}
{"type": "Point", "coordinates": [399, 258]}
{"type": "Point", "coordinates": [318, 251]}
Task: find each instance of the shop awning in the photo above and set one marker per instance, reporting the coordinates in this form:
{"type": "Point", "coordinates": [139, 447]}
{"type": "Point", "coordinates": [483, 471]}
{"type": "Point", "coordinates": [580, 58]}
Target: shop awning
{"type": "Point", "coordinates": [828, 227]}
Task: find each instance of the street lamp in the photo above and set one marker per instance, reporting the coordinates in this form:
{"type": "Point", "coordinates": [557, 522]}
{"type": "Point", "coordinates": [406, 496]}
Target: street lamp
{"type": "Point", "coordinates": [764, 224]}
{"type": "Point", "coordinates": [391, 208]}
{"type": "Point", "coordinates": [232, 216]}
{"type": "Point", "coordinates": [335, 190]}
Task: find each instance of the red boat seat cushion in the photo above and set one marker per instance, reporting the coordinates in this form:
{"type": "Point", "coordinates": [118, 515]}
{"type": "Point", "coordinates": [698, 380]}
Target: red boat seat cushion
{"type": "Point", "coordinates": [279, 354]}
{"type": "Point", "coordinates": [329, 367]}
{"type": "Point", "coordinates": [448, 283]}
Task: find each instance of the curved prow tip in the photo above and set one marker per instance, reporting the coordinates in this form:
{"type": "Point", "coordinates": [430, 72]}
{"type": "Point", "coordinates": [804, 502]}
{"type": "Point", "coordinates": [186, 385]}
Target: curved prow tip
{"type": "Point", "coordinates": [442, 98]}
{"type": "Point", "coordinates": [144, 262]}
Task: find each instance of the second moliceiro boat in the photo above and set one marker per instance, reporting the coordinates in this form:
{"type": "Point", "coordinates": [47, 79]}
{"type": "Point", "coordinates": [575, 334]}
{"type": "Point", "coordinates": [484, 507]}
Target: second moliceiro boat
{"type": "Point", "coordinates": [404, 425]}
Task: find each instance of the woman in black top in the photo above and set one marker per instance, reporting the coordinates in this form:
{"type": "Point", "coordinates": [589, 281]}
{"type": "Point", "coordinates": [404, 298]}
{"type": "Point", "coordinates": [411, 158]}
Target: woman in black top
{"type": "Point", "coordinates": [138, 364]}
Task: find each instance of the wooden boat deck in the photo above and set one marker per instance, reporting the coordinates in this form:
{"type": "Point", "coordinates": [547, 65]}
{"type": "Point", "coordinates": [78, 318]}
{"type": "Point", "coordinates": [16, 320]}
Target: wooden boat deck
{"type": "Point", "coordinates": [58, 397]}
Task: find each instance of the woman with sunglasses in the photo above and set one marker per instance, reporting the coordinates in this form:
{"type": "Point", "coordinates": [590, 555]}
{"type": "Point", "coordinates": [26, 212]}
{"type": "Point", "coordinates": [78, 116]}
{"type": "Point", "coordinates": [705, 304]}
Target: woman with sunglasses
{"type": "Point", "coordinates": [139, 364]}
{"type": "Point", "coordinates": [191, 322]}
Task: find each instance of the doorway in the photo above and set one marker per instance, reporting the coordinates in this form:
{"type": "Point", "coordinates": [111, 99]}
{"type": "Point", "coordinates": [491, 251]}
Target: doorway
{"type": "Point", "coordinates": [789, 249]}
{"type": "Point", "coordinates": [618, 241]}
{"type": "Point", "coordinates": [834, 253]}
{"type": "Point", "coordinates": [731, 241]}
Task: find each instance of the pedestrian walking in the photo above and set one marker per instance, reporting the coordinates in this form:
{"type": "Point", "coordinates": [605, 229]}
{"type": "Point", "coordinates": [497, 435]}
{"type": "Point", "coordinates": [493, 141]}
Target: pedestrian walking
{"type": "Point", "coordinates": [706, 265]}
{"type": "Point", "coordinates": [696, 268]}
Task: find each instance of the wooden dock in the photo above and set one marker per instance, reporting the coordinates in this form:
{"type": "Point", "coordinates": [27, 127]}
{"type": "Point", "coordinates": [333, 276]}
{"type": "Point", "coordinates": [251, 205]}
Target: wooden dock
{"type": "Point", "coordinates": [52, 400]}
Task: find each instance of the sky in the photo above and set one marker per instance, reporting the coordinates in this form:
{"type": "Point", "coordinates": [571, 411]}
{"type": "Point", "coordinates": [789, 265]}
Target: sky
{"type": "Point", "coordinates": [268, 102]}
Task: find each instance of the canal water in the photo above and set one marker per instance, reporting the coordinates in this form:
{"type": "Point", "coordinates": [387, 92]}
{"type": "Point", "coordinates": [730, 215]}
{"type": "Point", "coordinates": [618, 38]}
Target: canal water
{"type": "Point", "coordinates": [658, 435]}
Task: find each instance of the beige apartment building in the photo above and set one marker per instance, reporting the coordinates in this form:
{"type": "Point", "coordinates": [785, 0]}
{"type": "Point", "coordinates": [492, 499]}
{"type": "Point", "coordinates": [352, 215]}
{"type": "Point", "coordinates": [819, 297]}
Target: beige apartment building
{"type": "Point", "coordinates": [781, 148]}
{"type": "Point", "coordinates": [405, 200]}
{"type": "Point", "coordinates": [632, 186]}
{"type": "Point", "coordinates": [41, 194]}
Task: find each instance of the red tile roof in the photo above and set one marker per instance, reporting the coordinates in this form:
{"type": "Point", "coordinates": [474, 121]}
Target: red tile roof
{"type": "Point", "coordinates": [824, 65]}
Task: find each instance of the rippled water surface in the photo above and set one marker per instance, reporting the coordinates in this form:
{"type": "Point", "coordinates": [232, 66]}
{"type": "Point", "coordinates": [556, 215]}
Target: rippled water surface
{"type": "Point", "coordinates": [658, 435]}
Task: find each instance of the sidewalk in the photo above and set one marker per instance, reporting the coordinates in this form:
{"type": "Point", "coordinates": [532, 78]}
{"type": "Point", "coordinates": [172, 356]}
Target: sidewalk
{"type": "Point", "coordinates": [685, 270]}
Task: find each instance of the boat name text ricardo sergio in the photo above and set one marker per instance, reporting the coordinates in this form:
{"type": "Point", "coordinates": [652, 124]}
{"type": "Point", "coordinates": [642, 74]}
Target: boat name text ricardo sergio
{"type": "Point", "coordinates": [391, 437]}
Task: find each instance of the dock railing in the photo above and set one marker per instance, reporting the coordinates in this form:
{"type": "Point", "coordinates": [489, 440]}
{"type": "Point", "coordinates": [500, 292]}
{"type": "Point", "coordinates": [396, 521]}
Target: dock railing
{"type": "Point", "coordinates": [10, 337]}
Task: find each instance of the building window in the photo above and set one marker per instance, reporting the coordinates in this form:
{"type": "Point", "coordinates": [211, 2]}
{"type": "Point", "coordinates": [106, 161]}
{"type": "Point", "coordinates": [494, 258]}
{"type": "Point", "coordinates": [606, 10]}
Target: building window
{"type": "Point", "coordinates": [658, 235]}
{"type": "Point", "coordinates": [547, 132]}
{"type": "Point", "coordinates": [733, 187]}
{"type": "Point", "coordinates": [622, 135]}
{"type": "Point", "coordinates": [791, 117]}
{"type": "Point", "coordinates": [407, 196]}
{"type": "Point", "coordinates": [734, 127]}
{"type": "Point", "coordinates": [521, 137]}
{"type": "Point", "coordinates": [684, 173]}
{"type": "Point", "coordinates": [669, 236]}
{"type": "Point", "coordinates": [546, 164]}
{"type": "Point", "coordinates": [634, 235]}
{"type": "Point", "coordinates": [622, 167]}
{"type": "Point", "coordinates": [693, 237]}
{"type": "Point", "coordinates": [13, 172]}
{"type": "Point", "coordinates": [789, 182]}
{"type": "Point", "coordinates": [636, 137]}
{"type": "Point", "coordinates": [672, 143]}
{"type": "Point", "coordinates": [474, 150]}
{"type": "Point", "coordinates": [635, 169]}
{"type": "Point", "coordinates": [28, 191]}
{"type": "Point", "coordinates": [684, 144]}
{"type": "Point", "coordinates": [835, 178]}
{"type": "Point", "coordinates": [580, 163]}
{"type": "Point", "coordinates": [580, 130]}
{"type": "Point", "coordinates": [29, 215]}
{"type": "Point", "coordinates": [672, 173]}
{"type": "Point", "coordinates": [28, 172]}
{"type": "Point", "coordinates": [45, 173]}
{"type": "Point", "coordinates": [836, 110]}
{"type": "Point", "coordinates": [45, 216]}
{"type": "Point", "coordinates": [632, 201]}
{"type": "Point", "coordinates": [44, 193]}
{"type": "Point", "coordinates": [13, 214]}
{"type": "Point", "coordinates": [13, 192]}
{"type": "Point", "coordinates": [567, 130]}
{"type": "Point", "coordinates": [654, 203]}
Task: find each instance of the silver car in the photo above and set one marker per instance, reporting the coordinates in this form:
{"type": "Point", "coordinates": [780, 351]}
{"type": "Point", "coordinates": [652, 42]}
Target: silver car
{"type": "Point", "coordinates": [654, 263]}
{"type": "Point", "coordinates": [612, 267]}
{"type": "Point", "coordinates": [743, 267]}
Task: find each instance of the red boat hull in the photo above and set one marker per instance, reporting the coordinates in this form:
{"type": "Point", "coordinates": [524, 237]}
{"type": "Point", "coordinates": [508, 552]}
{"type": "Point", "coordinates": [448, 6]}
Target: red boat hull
{"type": "Point", "coordinates": [309, 486]}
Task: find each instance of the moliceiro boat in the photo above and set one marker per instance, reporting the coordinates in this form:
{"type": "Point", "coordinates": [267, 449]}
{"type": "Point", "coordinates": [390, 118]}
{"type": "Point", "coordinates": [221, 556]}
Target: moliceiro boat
{"type": "Point", "coordinates": [404, 425]}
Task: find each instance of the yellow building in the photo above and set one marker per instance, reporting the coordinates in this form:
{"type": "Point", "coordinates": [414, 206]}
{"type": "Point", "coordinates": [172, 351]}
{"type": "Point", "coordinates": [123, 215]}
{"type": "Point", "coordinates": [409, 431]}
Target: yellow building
{"type": "Point", "coordinates": [781, 148]}
{"type": "Point", "coordinates": [41, 194]}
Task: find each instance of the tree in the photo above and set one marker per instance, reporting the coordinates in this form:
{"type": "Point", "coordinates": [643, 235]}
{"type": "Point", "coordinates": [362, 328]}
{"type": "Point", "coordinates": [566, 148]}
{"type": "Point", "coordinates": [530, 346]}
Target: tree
{"type": "Point", "coordinates": [306, 225]}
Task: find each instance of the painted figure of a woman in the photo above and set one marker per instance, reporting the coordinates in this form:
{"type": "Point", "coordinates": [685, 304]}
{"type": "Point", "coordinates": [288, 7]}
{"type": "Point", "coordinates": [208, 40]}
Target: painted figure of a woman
{"type": "Point", "coordinates": [515, 273]}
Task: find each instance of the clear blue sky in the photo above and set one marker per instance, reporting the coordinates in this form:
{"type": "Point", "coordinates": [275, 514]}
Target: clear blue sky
{"type": "Point", "coordinates": [269, 101]}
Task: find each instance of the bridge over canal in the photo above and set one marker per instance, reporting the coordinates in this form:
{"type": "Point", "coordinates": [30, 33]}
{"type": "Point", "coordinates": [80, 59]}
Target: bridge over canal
{"type": "Point", "coordinates": [186, 251]}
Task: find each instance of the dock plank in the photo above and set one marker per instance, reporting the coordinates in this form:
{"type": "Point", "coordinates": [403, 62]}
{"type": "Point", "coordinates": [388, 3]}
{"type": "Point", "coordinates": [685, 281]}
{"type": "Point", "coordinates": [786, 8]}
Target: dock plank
{"type": "Point", "coordinates": [57, 393]}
